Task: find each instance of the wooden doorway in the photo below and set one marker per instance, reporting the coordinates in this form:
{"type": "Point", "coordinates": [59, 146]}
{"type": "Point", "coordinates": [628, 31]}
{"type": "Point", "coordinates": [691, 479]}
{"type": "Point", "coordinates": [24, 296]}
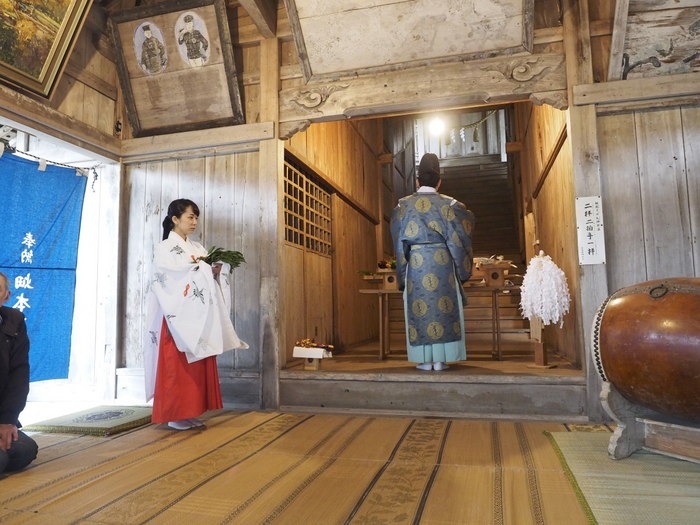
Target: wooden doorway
{"type": "Point", "coordinates": [307, 288]}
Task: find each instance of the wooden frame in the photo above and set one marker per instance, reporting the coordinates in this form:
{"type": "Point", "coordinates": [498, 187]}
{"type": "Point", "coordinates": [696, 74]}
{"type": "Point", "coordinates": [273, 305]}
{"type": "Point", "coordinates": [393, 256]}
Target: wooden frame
{"type": "Point", "coordinates": [617, 46]}
{"type": "Point", "coordinates": [36, 67]}
{"type": "Point", "coordinates": [655, 39]}
{"type": "Point", "coordinates": [501, 30]}
{"type": "Point", "coordinates": [176, 67]}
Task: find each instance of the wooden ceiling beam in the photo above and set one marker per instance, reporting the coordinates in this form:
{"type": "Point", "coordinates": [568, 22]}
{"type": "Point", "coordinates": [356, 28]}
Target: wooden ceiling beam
{"type": "Point", "coordinates": [264, 15]}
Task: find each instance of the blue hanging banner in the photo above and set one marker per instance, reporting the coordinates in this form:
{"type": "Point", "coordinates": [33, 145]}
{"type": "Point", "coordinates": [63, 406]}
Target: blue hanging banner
{"type": "Point", "coordinates": [39, 253]}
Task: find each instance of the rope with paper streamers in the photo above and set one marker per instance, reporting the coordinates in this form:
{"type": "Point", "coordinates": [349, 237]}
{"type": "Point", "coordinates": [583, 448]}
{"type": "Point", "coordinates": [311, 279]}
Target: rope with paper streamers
{"type": "Point", "coordinates": [544, 292]}
{"type": "Point", "coordinates": [84, 171]}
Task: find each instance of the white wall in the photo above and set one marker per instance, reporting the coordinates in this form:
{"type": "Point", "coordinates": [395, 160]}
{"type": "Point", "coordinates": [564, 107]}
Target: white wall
{"type": "Point", "coordinates": [91, 375]}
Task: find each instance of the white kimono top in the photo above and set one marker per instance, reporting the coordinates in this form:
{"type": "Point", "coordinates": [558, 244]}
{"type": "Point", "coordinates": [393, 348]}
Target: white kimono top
{"type": "Point", "coordinates": [195, 306]}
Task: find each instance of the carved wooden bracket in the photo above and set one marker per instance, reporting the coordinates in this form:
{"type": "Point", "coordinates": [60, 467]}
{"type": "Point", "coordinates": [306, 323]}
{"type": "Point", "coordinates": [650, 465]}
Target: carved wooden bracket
{"type": "Point", "coordinates": [556, 99]}
{"type": "Point", "coordinates": [288, 129]}
{"type": "Point", "coordinates": [501, 80]}
{"type": "Point", "coordinates": [314, 98]}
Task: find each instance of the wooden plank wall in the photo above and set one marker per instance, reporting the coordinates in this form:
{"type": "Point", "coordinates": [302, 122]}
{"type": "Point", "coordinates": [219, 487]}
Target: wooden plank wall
{"type": "Point", "coordinates": [319, 303]}
{"type": "Point", "coordinates": [307, 298]}
{"type": "Point", "coordinates": [545, 163]}
{"type": "Point", "coordinates": [292, 293]}
{"type": "Point", "coordinates": [88, 89]}
{"type": "Point", "coordinates": [246, 40]}
{"type": "Point", "coordinates": [345, 157]}
{"type": "Point", "coordinates": [228, 194]}
{"type": "Point", "coordinates": [345, 154]}
{"type": "Point", "coordinates": [602, 15]}
{"type": "Point", "coordinates": [356, 315]}
{"type": "Point", "coordinates": [650, 162]}
{"type": "Point", "coordinates": [399, 139]}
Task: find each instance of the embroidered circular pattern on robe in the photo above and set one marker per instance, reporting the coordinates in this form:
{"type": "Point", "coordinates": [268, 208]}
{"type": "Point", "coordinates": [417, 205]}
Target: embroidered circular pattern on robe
{"type": "Point", "coordinates": [445, 304]}
{"type": "Point", "coordinates": [419, 307]}
{"type": "Point", "coordinates": [441, 257]}
{"type": "Point", "coordinates": [412, 333]}
{"type": "Point", "coordinates": [430, 282]}
{"type": "Point", "coordinates": [416, 259]}
{"type": "Point", "coordinates": [447, 212]}
{"type": "Point", "coordinates": [412, 229]}
{"type": "Point", "coordinates": [423, 204]}
{"type": "Point", "coordinates": [435, 330]}
{"type": "Point", "coordinates": [435, 226]}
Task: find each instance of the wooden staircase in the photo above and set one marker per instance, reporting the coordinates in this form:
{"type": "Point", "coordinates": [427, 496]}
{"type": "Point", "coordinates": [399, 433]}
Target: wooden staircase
{"type": "Point", "coordinates": [485, 187]}
{"type": "Point", "coordinates": [478, 324]}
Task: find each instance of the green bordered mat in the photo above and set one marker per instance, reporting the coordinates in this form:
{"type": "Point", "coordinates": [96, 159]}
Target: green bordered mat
{"type": "Point", "coordinates": [99, 421]}
{"type": "Point", "coordinates": [645, 488]}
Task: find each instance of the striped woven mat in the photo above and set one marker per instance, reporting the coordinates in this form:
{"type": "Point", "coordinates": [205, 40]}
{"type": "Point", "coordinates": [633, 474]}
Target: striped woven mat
{"type": "Point", "coordinates": [261, 467]}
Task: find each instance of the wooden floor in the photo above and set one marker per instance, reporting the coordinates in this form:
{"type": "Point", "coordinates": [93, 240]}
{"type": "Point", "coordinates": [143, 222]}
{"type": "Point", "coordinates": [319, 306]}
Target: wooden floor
{"type": "Point", "coordinates": [517, 359]}
{"type": "Point", "coordinates": [271, 467]}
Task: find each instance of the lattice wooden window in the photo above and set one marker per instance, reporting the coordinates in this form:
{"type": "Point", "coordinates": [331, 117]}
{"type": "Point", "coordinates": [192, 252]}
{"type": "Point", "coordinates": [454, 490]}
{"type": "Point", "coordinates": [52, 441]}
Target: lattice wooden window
{"type": "Point", "coordinates": [307, 212]}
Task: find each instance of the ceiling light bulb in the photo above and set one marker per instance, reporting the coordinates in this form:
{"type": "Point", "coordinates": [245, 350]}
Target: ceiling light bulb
{"type": "Point", "coordinates": [436, 126]}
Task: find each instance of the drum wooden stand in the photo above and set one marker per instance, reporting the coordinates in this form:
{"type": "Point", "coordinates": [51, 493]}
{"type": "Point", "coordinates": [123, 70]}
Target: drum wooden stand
{"type": "Point", "coordinates": [646, 349]}
{"type": "Point", "coordinates": [641, 428]}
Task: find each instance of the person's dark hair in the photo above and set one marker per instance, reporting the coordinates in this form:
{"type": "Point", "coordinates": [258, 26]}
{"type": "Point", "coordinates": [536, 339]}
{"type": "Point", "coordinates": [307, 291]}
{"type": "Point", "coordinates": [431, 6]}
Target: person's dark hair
{"type": "Point", "coordinates": [176, 209]}
{"type": "Point", "coordinates": [429, 170]}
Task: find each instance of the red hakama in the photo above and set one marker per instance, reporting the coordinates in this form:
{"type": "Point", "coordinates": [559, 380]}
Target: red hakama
{"type": "Point", "coordinates": [183, 390]}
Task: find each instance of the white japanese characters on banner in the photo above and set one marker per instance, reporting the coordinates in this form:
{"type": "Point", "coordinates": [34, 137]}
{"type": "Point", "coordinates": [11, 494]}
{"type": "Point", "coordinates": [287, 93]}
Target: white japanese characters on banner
{"type": "Point", "coordinates": [38, 254]}
{"type": "Point", "coordinates": [23, 283]}
{"type": "Point", "coordinates": [590, 231]}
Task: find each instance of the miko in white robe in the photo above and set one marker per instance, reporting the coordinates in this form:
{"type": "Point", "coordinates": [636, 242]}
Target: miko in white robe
{"type": "Point", "coordinates": [194, 304]}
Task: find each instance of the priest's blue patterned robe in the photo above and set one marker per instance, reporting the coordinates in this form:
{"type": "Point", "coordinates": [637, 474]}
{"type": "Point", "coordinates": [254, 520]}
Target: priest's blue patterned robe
{"type": "Point", "coordinates": [433, 246]}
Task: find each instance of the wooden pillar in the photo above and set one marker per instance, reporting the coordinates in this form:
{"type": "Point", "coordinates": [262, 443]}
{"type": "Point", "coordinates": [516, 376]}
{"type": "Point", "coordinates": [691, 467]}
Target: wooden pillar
{"type": "Point", "coordinates": [271, 188]}
{"type": "Point", "coordinates": [593, 282]}
{"type": "Point", "coordinates": [536, 337]}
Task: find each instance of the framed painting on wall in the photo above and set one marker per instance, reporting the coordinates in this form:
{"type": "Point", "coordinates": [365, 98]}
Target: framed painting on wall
{"type": "Point", "coordinates": [422, 32]}
{"type": "Point", "coordinates": [36, 38]}
{"type": "Point", "coordinates": [176, 67]}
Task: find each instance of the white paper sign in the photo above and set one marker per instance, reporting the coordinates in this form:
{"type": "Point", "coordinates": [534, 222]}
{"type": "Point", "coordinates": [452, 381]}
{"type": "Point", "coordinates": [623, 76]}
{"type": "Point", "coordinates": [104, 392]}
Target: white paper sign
{"type": "Point", "coordinates": [589, 228]}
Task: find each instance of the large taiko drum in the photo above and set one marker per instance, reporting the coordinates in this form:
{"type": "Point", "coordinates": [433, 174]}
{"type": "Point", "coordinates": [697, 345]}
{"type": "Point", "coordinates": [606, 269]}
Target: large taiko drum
{"type": "Point", "coordinates": [646, 342]}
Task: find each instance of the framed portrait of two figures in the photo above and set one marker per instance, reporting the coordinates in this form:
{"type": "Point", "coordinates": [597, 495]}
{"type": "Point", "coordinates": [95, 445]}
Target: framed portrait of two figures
{"type": "Point", "coordinates": [176, 67]}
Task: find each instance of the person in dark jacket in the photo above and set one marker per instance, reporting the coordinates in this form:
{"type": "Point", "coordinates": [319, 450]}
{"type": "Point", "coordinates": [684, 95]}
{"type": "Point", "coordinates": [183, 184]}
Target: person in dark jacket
{"type": "Point", "coordinates": [17, 450]}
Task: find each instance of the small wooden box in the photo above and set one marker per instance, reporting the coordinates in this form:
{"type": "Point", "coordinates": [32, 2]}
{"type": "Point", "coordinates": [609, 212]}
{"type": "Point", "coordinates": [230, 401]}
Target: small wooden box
{"type": "Point", "coordinates": [495, 276]}
{"type": "Point", "coordinates": [312, 356]}
{"type": "Point", "coordinates": [389, 281]}
{"type": "Point", "coordinates": [494, 271]}
{"type": "Point", "coordinates": [312, 363]}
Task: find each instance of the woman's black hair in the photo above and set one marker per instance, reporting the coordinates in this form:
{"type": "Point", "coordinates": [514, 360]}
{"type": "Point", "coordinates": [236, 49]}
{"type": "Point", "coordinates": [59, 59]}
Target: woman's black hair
{"type": "Point", "coordinates": [429, 170]}
{"type": "Point", "coordinates": [176, 209]}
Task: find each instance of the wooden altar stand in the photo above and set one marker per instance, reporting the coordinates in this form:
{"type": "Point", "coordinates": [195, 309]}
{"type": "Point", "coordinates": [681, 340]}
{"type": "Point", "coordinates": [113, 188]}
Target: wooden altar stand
{"type": "Point", "coordinates": [383, 295]}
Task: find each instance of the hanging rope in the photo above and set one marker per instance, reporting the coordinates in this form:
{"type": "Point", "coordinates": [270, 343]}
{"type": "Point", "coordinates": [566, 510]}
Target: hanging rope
{"type": "Point", "coordinates": [463, 129]}
{"type": "Point", "coordinates": [544, 293]}
{"type": "Point", "coordinates": [43, 162]}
